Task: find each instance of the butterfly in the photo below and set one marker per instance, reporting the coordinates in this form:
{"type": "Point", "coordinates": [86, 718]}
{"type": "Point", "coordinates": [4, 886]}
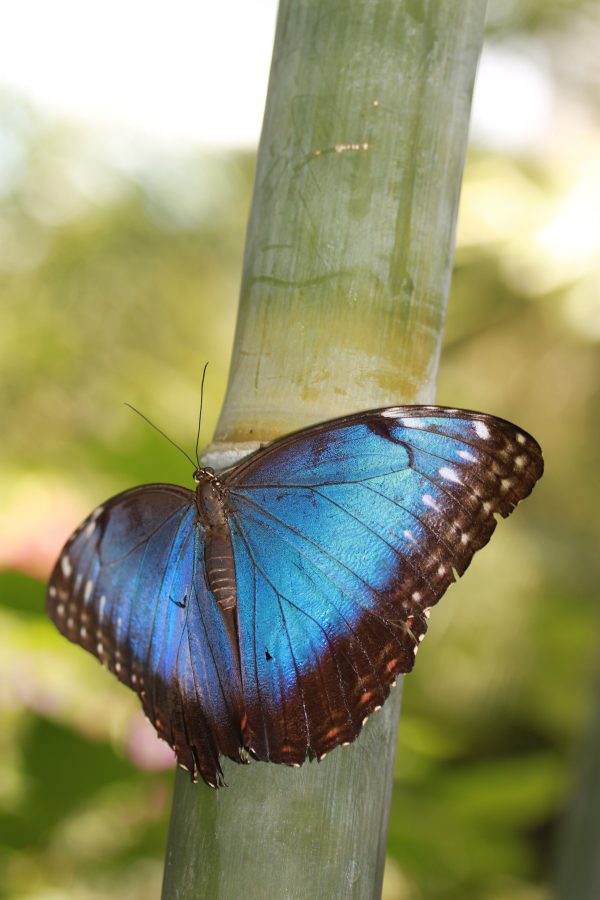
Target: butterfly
{"type": "Point", "coordinates": [266, 613]}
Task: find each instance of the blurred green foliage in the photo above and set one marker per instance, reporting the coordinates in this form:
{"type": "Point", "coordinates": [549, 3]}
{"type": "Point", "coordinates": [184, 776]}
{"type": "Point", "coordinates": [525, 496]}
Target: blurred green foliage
{"type": "Point", "coordinates": [118, 286]}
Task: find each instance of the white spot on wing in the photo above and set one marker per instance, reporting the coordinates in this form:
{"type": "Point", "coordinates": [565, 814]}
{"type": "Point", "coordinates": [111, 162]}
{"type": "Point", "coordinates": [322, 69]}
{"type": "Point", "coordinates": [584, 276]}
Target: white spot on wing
{"type": "Point", "coordinates": [392, 413]}
{"type": "Point", "coordinates": [429, 501]}
{"type": "Point", "coordinates": [464, 539]}
{"type": "Point", "coordinates": [449, 474]}
{"type": "Point", "coordinates": [465, 454]}
{"type": "Point", "coordinates": [481, 429]}
{"type": "Point", "coordinates": [91, 526]}
{"type": "Point", "coordinates": [520, 438]}
{"type": "Point", "coordinates": [87, 592]}
{"type": "Point", "coordinates": [65, 564]}
{"type": "Point", "coordinates": [520, 461]}
{"type": "Point", "coordinates": [410, 536]}
{"type": "Point", "coordinates": [52, 591]}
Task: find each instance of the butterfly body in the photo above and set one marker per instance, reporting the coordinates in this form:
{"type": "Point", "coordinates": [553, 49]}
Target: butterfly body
{"type": "Point", "coordinates": [268, 612]}
{"type": "Point", "coordinates": [219, 563]}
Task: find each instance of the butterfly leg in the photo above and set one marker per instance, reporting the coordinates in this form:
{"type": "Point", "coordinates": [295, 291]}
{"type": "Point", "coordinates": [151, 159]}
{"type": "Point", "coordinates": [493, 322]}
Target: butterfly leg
{"type": "Point", "coordinates": [180, 603]}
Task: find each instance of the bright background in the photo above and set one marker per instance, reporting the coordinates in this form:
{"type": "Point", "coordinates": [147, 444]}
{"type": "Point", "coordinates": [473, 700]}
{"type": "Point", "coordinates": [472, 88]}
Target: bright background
{"type": "Point", "coordinates": [126, 161]}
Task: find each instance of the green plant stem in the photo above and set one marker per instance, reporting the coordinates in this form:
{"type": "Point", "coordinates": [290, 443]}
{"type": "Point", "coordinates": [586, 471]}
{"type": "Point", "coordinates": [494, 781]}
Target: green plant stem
{"type": "Point", "coordinates": [345, 281]}
{"type": "Point", "coordinates": [578, 856]}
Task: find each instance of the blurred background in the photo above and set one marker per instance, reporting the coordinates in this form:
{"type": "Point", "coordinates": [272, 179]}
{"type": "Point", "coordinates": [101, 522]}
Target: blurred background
{"type": "Point", "coordinates": [126, 161]}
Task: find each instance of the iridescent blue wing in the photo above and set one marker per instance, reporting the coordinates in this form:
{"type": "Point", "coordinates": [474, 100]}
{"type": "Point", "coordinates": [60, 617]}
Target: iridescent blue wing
{"type": "Point", "coordinates": [129, 586]}
{"type": "Point", "coordinates": [344, 535]}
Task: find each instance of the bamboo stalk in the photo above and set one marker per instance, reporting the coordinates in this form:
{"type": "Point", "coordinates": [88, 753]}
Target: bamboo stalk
{"type": "Point", "coordinates": [346, 273]}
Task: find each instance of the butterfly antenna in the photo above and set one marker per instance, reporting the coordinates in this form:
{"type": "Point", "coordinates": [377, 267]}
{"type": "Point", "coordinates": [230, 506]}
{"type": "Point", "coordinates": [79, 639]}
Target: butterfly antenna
{"type": "Point", "coordinates": [166, 436]}
{"type": "Point", "coordinates": [200, 415]}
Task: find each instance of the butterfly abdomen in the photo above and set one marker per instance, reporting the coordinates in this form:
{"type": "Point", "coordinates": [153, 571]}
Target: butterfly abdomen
{"type": "Point", "coordinates": [218, 551]}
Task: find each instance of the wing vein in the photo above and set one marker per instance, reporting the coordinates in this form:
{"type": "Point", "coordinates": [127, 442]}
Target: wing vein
{"type": "Point", "coordinates": [364, 610]}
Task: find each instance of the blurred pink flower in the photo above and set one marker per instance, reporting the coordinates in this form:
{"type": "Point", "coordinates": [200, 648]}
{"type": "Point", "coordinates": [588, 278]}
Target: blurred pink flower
{"type": "Point", "coordinates": [145, 748]}
{"type": "Point", "coordinates": [36, 519]}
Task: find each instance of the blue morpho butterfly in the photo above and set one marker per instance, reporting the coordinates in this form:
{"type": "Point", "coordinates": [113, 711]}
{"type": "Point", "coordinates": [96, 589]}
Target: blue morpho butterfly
{"type": "Point", "coordinates": [267, 613]}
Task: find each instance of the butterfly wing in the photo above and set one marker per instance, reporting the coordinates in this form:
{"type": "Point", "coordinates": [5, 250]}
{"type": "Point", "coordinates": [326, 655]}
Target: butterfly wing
{"type": "Point", "coordinates": [344, 535]}
{"type": "Point", "coordinates": [129, 586]}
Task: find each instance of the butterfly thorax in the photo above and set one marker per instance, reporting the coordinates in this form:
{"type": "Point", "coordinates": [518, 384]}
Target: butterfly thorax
{"type": "Point", "coordinates": [219, 564]}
